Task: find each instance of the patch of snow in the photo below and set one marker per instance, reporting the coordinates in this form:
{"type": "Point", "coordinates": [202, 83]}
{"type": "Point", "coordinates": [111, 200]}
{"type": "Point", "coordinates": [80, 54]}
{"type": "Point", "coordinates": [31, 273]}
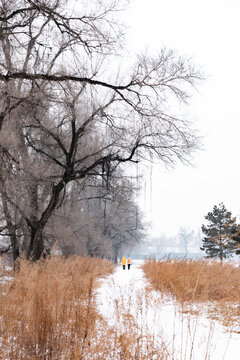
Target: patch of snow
{"type": "Point", "coordinates": [5, 279]}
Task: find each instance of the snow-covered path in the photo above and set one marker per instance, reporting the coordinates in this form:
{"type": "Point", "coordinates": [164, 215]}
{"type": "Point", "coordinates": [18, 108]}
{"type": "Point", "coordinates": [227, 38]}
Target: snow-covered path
{"type": "Point", "coordinates": [186, 336]}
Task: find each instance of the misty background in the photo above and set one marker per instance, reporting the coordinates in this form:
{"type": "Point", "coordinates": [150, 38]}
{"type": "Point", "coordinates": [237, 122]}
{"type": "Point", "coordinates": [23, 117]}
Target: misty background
{"type": "Point", "coordinates": [207, 32]}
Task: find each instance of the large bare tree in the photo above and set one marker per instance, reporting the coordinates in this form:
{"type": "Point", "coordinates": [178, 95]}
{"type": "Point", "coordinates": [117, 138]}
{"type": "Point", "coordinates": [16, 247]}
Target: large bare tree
{"type": "Point", "coordinates": [97, 218]}
{"type": "Point", "coordinates": [66, 113]}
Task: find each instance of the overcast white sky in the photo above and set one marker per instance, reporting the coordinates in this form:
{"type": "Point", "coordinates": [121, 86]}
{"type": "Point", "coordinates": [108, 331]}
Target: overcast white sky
{"type": "Point", "coordinates": [208, 31]}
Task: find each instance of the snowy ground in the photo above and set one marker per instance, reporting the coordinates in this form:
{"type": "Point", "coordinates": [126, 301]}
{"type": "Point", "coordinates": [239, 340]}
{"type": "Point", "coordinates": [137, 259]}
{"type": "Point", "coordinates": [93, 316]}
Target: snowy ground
{"type": "Point", "coordinates": [186, 336]}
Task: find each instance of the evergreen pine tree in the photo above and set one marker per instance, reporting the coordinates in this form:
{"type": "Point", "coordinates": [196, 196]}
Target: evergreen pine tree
{"type": "Point", "coordinates": [236, 237]}
{"type": "Point", "coordinates": [218, 240]}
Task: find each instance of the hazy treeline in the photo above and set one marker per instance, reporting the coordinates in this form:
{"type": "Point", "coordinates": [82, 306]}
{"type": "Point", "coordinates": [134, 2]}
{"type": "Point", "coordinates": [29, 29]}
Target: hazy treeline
{"type": "Point", "coordinates": [185, 244]}
{"type": "Point", "coordinates": [70, 121]}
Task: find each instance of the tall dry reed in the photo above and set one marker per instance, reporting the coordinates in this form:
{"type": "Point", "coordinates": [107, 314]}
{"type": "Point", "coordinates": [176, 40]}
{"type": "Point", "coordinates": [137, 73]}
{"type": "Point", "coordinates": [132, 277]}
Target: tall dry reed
{"type": "Point", "coordinates": [48, 310]}
{"type": "Point", "coordinates": [199, 282]}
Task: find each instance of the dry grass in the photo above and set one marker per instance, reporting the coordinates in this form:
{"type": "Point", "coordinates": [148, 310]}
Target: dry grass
{"type": "Point", "coordinates": [48, 310]}
{"type": "Point", "coordinates": [212, 283]}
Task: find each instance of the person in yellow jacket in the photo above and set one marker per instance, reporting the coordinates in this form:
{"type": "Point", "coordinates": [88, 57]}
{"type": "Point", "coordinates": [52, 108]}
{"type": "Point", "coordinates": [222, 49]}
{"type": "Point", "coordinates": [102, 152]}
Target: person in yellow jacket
{"type": "Point", "coordinates": [129, 263]}
{"type": "Point", "coordinates": [124, 261]}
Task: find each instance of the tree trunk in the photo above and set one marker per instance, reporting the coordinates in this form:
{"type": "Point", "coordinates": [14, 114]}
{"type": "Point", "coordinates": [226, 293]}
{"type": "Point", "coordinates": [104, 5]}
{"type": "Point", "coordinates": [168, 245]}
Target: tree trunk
{"type": "Point", "coordinates": [116, 251]}
{"type": "Point", "coordinates": [15, 247]}
{"type": "Point", "coordinates": [12, 231]}
{"type": "Point", "coordinates": [221, 245]}
{"type": "Point", "coordinates": [36, 246]}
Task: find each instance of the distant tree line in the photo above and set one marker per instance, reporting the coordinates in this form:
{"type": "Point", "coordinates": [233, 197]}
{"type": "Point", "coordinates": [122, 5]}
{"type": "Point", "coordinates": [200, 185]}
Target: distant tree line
{"type": "Point", "coordinates": [70, 122]}
{"type": "Point", "coordinates": [184, 244]}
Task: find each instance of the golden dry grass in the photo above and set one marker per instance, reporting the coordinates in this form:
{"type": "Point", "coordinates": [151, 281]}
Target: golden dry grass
{"type": "Point", "coordinates": [48, 310]}
{"type": "Point", "coordinates": [212, 283]}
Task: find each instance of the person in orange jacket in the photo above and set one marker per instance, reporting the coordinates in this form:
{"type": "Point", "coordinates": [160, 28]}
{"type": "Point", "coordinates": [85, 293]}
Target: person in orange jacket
{"type": "Point", "coordinates": [124, 261]}
{"type": "Point", "coordinates": [129, 263]}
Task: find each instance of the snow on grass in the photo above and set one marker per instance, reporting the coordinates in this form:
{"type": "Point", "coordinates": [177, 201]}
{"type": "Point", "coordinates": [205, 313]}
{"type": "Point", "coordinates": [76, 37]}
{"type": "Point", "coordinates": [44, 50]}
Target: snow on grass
{"type": "Point", "coordinates": [126, 300]}
{"type": "Point", "coordinates": [5, 279]}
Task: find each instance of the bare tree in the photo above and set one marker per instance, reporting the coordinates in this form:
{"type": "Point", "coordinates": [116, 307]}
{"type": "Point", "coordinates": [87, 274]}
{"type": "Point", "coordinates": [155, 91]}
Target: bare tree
{"type": "Point", "coordinates": [186, 236]}
{"type": "Point", "coordinates": [67, 120]}
{"type": "Point", "coordinates": [97, 218]}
